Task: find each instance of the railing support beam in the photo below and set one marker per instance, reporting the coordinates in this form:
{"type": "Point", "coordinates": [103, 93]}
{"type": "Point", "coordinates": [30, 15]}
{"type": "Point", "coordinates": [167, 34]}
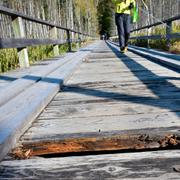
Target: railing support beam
{"type": "Point", "coordinates": [18, 29]}
{"type": "Point", "coordinates": [79, 39]}
{"type": "Point", "coordinates": [54, 35]}
{"type": "Point", "coordinates": [69, 40]}
{"type": "Point", "coordinates": [168, 33]}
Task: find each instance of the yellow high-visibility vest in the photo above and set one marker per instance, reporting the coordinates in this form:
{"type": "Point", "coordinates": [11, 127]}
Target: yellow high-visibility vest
{"type": "Point", "coordinates": [122, 6]}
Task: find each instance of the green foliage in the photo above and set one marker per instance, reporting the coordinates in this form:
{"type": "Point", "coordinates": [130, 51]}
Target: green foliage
{"type": "Point", "coordinates": [63, 48]}
{"type": "Point", "coordinates": [105, 13]}
{"type": "Point", "coordinates": [57, 11]}
{"type": "Point", "coordinates": [176, 28]}
{"type": "Point", "coordinates": [8, 59]}
{"type": "Point", "coordinates": [159, 31]}
{"type": "Point", "coordinates": [159, 43]}
{"type": "Point", "coordinates": [175, 47]}
{"type": "Point", "coordinates": [39, 53]}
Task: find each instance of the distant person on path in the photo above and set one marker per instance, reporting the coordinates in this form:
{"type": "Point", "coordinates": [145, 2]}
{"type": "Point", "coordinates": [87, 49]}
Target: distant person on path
{"type": "Point", "coordinates": [123, 21]}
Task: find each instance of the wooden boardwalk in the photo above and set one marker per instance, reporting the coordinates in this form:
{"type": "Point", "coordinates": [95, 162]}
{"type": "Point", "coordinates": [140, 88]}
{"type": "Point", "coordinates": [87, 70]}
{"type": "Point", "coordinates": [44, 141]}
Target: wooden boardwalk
{"type": "Point", "coordinates": [110, 95]}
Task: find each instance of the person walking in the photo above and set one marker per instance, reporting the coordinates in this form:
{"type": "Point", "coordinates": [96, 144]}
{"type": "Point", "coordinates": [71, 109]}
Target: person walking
{"type": "Point", "coordinates": [123, 21]}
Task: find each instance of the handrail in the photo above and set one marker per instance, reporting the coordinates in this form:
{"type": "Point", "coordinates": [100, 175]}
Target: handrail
{"type": "Point", "coordinates": [168, 36]}
{"type": "Point", "coordinates": [20, 42]}
{"type": "Point", "coordinates": [158, 23]}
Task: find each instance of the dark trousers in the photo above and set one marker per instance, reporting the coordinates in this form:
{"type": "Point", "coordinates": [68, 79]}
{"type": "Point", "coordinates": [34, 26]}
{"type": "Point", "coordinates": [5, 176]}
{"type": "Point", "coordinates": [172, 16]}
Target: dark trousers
{"type": "Point", "coordinates": [123, 22]}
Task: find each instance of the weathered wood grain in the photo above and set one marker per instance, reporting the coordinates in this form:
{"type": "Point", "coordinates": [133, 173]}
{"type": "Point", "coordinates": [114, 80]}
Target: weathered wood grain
{"type": "Point", "coordinates": [154, 37]}
{"type": "Point", "coordinates": [19, 32]}
{"type": "Point", "coordinates": [22, 42]}
{"type": "Point", "coordinates": [170, 62]}
{"type": "Point", "coordinates": [98, 143]}
{"type": "Point", "coordinates": [145, 165]}
{"type": "Point", "coordinates": [125, 94]}
{"type": "Point", "coordinates": [60, 128]}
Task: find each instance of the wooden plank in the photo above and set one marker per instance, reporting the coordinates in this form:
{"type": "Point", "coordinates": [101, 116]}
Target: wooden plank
{"type": "Point", "coordinates": [154, 37]}
{"type": "Point", "coordinates": [54, 35]}
{"type": "Point", "coordinates": [161, 53]}
{"type": "Point", "coordinates": [60, 127]}
{"type": "Point", "coordinates": [18, 29]}
{"type": "Point", "coordinates": [167, 61]}
{"type": "Point", "coordinates": [88, 92]}
{"type": "Point", "coordinates": [121, 106]}
{"type": "Point", "coordinates": [21, 43]}
{"type": "Point", "coordinates": [144, 165]}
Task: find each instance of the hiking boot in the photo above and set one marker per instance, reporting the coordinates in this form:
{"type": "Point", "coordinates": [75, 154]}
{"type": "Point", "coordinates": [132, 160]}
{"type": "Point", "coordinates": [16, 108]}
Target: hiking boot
{"type": "Point", "coordinates": [125, 49]}
{"type": "Point", "coordinates": [122, 50]}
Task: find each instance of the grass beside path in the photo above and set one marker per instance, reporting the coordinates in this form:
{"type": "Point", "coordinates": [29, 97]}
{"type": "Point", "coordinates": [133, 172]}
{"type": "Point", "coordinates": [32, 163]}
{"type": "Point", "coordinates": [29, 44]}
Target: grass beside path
{"type": "Point", "coordinates": [9, 57]}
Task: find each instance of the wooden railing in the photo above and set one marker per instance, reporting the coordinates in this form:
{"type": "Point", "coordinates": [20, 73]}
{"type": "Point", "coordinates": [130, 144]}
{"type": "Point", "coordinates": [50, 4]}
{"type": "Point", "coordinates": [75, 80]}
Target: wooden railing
{"type": "Point", "coordinates": [20, 42]}
{"type": "Point", "coordinates": [168, 36]}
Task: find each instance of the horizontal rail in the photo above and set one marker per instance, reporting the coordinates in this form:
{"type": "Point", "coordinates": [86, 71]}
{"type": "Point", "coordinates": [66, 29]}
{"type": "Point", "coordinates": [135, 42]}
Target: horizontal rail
{"type": "Point", "coordinates": [20, 43]}
{"type": "Point", "coordinates": [14, 14]}
{"type": "Point", "coordinates": [168, 35]}
{"type": "Point", "coordinates": [154, 37]}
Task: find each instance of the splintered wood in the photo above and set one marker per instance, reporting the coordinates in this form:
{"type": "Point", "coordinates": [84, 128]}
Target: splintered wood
{"type": "Point", "coordinates": [80, 145]}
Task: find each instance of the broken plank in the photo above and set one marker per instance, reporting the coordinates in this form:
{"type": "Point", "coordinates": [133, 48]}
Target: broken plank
{"type": "Point", "coordinates": [121, 142]}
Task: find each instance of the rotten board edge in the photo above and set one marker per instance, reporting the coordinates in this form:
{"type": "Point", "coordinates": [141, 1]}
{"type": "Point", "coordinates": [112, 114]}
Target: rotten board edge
{"type": "Point", "coordinates": [125, 142]}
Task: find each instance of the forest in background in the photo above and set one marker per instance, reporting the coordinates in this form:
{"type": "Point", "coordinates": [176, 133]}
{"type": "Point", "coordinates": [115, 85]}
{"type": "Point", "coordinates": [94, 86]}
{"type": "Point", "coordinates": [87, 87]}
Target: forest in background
{"type": "Point", "coordinates": [91, 16]}
{"type": "Point", "coordinates": [150, 11]}
{"type": "Point", "coordinates": [80, 15]}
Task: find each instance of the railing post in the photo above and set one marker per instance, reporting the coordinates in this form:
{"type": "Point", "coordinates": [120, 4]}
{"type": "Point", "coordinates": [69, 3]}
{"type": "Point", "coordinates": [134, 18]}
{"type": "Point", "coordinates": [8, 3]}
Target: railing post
{"type": "Point", "coordinates": [79, 39]}
{"type": "Point", "coordinates": [168, 33]}
{"type": "Point", "coordinates": [54, 35]}
{"type": "Point", "coordinates": [18, 28]}
{"type": "Point", "coordinates": [69, 40]}
{"type": "Point", "coordinates": [76, 40]}
{"type": "Point", "coordinates": [148, 40]}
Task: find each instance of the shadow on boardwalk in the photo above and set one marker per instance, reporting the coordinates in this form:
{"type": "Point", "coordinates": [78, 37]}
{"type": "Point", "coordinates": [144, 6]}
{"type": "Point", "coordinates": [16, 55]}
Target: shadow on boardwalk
{"type": "Point", "coordinates": [152, 85]}
{"type": "Point", "coordinates": [136, 69]}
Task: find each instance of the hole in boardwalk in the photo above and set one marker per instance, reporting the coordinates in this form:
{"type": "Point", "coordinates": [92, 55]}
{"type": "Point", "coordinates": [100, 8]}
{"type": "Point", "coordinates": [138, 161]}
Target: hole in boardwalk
{"type": "Point", "coordinates": [97, 145]}
{"type": "Point", "coordinates": [90, 153]}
